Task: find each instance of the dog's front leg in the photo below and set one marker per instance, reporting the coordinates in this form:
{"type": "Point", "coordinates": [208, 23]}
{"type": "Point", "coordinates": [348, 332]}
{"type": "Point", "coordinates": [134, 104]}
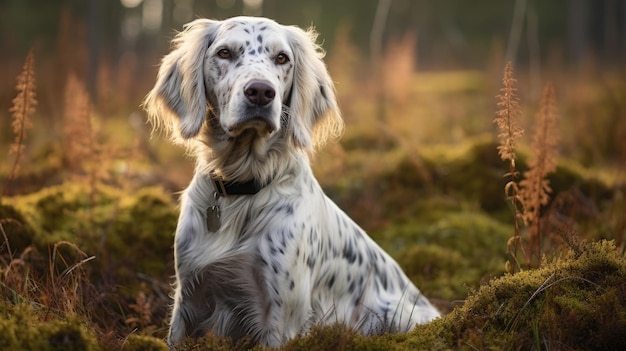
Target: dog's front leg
{"type": "Point", "coordinates": [192, 242]}
{"type": "Point", "coordinates": [177, 330]}
{"type": "Point", "coordinates": [190, 306]}
{"type": "Point", "coordinates": [286, 284]}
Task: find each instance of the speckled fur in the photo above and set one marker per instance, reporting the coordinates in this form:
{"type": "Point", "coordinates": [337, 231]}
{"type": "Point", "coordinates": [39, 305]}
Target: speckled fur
{"type": "Point", "coordinates": [286, 258]}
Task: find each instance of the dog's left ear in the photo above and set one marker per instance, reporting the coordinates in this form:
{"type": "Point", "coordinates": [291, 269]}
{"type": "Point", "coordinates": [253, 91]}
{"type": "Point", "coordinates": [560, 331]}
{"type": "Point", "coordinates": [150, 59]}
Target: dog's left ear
{"type": "Point", "coordinates": [314, 116]}
{"type": "Point", "coordinates": [178, 100]}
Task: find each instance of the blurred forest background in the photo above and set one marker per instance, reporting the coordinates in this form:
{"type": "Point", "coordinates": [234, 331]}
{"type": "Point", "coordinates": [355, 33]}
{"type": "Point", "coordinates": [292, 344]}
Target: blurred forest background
{"type": "Point", "coordinates": [88, 208]}
{"type": "Point", "coordinates": [114, 45]}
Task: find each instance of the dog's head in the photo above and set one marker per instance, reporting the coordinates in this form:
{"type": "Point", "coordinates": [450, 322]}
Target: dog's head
{"type": "Point", "coordinates": [245, 76]}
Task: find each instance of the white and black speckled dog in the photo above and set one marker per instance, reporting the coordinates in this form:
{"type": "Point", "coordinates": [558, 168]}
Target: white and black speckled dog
{"type": "Point", "coordinates": [260, 250]}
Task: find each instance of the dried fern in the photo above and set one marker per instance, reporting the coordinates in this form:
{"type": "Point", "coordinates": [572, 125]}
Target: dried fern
{"type": "Point", "coordinates": [507, 120]}
{"type": "Point", "coordinates": [535, 187]}
{"type": "Point", "coordinates": [77, 129]}
{"type": "Point", "coordinates": [23, 105]}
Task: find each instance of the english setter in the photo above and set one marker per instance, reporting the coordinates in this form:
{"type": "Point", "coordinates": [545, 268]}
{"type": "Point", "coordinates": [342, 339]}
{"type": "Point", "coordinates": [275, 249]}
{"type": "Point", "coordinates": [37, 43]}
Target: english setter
{"type": "Point", "coordinates": [260, 250]}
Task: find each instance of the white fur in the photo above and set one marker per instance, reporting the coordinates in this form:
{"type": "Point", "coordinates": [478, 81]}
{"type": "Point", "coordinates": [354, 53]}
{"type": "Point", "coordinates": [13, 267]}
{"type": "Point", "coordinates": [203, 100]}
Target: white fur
{"type": "Point", "coordinates": [287, 257]}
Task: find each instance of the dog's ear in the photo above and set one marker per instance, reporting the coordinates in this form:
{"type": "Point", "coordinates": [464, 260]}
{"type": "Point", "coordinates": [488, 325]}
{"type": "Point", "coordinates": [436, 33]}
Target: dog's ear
{"type": "Point", "coordinates": [178, 100]}
{"type": "Point", "coordinates": [313, 112]}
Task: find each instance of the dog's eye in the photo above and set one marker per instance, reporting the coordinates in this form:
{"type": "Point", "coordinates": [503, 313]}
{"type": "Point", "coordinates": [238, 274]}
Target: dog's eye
{"type": "Point", "coordinates": [224, 53]}
{"type": "Point", "coordinates": [281, 59]}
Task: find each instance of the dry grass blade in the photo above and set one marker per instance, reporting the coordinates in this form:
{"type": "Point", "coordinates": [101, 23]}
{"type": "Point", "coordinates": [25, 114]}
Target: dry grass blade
{"type": "Point", "coordinates": [5, 237]}
{"type": "Point", "coordinates": [23, 105]}
{"type": "Point", "coordinates": [56, 253]}
{"type": "Point", "coordinates": [543, 287]}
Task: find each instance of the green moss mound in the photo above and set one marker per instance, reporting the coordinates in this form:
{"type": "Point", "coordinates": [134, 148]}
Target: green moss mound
{"type": "Point", "coordinates": [97, 252]}
{"type": "Point", "coordinates": [446, 247]}
{"type": "Point", "coordinates": [575, 302]}
{"type": "Point", "coordinates": [121, 230]}
{"type": "Point", "coordinates": [23, 328]}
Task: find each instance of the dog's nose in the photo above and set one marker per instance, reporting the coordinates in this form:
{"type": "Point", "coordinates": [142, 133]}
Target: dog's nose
{"type": "Point", "coordinates": [259, 92]}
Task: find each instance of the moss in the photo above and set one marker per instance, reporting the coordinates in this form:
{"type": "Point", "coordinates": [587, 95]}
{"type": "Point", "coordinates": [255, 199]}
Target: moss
{"type": "Point", "coordinates": [578, 300]}
{"type": "Point", "coordinates": [438, 237]}
{"type": "Point", "coordinates": [210, 342]}
{"type": "Point", "coordinates": [64, 212]}
{"type": "Point", "coordinates": [23, 328]}
{"type": "Point", "coordinates": [144, 343]}
{"type": "Point", "coordinates": [18, 231]}
{"type": "Point", "coordinates": [131, 229]}
{"type": "Point", "coordinates": [435, 270]}
{"type": "Point", "coordinates": [365, 137]}
{"type": "Point", "coordinates": [469, 171]}
{"type": "Point", "coordinates": [334, 337]}
{"type": "Point", "coordinates": [123, 236]}
{"type": "Point", "coordinates": [142, 232]}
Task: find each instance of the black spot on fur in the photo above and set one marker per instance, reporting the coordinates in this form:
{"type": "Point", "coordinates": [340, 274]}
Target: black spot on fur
{"type": "Point", "coordinates": [287, 208]}
{"type": "Point", "coordinates": [331, 281]}
{"type": "Point", "coordinates": [349, 254]}
{"type": "Point", "coordinates": [310, 262]}
{"type": "Point", "coordinates": [259, 38]}
{"type": "Point", "coordinates": [383, 280]}
{"type": "Point", "coordinates": [371, 255]}
{"type": "Point", "coordinates": [252, 52]}
{"type": "Point", "coordinates": [351, 288]}
{"type": "Point", "coordinates": [292, 285]}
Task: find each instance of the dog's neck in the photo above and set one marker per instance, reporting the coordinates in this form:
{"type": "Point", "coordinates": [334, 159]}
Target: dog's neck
{"type": "Point", "coordinates": [248, 157]}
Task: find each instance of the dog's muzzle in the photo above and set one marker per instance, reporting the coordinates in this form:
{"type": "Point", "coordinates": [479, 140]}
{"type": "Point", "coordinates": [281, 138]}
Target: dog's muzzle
{"type": "Point", "coordinates": [258, 113]}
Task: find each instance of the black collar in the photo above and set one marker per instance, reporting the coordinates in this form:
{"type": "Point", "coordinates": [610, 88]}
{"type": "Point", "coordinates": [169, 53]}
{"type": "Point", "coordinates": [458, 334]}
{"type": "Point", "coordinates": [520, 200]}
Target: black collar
{"type": "Point", "coordinates": [225, 188]}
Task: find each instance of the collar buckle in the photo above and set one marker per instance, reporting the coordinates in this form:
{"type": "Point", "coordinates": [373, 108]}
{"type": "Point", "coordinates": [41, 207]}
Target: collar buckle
{"type": "Point", "coordinates": [220, 187]}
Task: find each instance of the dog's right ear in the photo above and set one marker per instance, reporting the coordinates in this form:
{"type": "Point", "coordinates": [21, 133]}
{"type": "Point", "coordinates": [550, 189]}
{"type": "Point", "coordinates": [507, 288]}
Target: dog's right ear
{"type": "Point", "coordinates": [178, 101]}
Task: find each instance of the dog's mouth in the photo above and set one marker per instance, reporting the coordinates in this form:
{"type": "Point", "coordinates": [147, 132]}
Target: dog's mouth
{"type": "Point", "coordinates": [263, 126]}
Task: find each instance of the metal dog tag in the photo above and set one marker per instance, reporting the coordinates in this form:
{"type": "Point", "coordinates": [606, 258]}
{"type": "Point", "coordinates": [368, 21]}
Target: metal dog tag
{"type": "Point", "coordinates": [213, 218]}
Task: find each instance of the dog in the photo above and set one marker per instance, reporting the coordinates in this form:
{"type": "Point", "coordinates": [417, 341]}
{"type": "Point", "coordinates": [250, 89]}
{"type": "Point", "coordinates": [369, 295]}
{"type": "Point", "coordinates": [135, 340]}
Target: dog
{"type": "Point", "coordinates": [260, 250]}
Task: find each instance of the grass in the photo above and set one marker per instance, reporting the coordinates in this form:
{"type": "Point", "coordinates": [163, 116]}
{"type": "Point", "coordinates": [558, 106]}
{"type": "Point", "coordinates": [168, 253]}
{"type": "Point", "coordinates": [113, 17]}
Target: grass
{"type": "Point", "coordinates": [86, 259]}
